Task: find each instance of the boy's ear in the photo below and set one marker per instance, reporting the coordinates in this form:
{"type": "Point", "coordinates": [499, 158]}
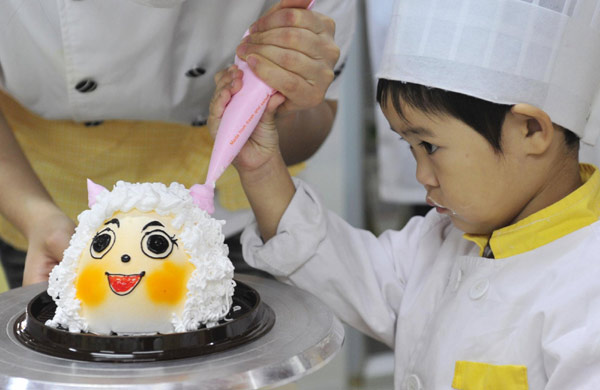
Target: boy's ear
{"type": "Point", "coordinates": [536, 127]}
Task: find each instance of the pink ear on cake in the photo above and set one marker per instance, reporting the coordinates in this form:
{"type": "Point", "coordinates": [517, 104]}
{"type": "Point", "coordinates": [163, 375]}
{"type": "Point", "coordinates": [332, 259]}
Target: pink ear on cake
{"type": "Point", "coordinates": [93, 191]}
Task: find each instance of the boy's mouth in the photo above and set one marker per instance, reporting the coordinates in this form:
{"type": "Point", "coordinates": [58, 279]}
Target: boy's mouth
{"type": "Point", "coordinates": [122, 284]}
{"type": "Point", "coordinates": [438, 207]}
{"type": "Point", "coordinates": [433, 203]}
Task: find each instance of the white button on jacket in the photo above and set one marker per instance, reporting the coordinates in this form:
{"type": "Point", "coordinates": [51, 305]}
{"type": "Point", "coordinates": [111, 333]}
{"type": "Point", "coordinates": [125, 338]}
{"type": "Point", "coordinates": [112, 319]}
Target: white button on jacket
{"type": "Point", "coordinates": [479, 289]}
{"type": "Point", "coordinates": [413, 383]}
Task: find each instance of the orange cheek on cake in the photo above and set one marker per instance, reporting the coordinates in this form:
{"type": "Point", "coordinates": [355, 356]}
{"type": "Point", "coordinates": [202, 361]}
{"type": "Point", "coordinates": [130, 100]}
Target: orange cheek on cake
{"type": "Point", "coordinates": [91, 285]}
{"type": "Point", "coordinates": [168, 284]}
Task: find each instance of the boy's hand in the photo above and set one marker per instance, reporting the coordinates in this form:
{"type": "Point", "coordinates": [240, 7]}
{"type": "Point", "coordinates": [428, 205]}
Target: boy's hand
{"type": "Point", "coordinates": [263, 144]}
{"type": "Point", "coordinates": [293, 51]}
{"type": "Point", "coordinates": [48, 239]}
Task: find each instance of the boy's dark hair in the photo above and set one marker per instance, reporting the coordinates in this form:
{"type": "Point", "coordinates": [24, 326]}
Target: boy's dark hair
{"type": "Point", "coordinates": [483, 116]}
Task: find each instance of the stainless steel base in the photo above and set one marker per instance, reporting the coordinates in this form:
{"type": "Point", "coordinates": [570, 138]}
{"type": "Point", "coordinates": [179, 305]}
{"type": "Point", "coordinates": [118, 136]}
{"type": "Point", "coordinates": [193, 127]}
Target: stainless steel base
{"type": "Point", "coordinates": [305, 337]}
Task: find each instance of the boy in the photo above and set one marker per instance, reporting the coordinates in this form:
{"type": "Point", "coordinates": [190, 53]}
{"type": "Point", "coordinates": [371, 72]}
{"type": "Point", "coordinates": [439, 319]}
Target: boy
{"type": "Point", "coordinates": [497, 287]}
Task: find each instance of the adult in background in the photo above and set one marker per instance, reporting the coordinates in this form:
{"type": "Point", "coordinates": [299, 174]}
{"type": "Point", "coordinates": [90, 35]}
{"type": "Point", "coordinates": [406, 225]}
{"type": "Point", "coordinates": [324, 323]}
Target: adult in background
{"type": "Point", "coordinates": [119, 90]}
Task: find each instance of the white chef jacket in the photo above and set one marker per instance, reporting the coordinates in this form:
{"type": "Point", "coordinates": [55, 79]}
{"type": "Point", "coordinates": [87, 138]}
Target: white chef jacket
{"type": "Point", "coordinates": [95, 60]}
{"type": "Point", "coordinates": [425, 292]}
{"type": "Point", "coordinates": [146, 63]}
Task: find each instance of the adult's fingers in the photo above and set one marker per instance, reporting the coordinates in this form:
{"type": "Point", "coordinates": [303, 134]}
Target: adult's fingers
{"type": "Point", "coordinates": [311, 70]}
{"type": "Point", "coordinates": [300, 92]}
{"type": "Point", "coordinates": [288, 4]}
{"type": "Point", "coordinates": [295, 17]}
{"type": "Point", "coordinates": [298, 39]}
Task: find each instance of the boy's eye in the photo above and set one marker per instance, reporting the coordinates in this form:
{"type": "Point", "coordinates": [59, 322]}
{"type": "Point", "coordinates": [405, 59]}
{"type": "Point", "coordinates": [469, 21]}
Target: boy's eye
{"type": "Point", "coordinates": [429, 148]}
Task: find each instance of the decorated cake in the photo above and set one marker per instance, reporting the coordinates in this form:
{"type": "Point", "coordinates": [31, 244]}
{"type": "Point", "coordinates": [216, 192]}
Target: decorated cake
{"type": "Point", "coordinates": [144, 259]}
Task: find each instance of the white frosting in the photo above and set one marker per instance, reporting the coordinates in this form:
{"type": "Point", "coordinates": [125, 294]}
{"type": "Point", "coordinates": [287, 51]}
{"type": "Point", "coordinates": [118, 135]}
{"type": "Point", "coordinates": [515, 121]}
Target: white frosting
{"type": "Point", "coordinates": [210, 288]}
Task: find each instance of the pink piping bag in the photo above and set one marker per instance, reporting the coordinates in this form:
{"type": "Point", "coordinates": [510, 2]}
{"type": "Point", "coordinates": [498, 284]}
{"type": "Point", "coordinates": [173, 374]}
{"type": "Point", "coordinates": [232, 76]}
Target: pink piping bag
{"type": "Point", "coordinates": [239, 120]}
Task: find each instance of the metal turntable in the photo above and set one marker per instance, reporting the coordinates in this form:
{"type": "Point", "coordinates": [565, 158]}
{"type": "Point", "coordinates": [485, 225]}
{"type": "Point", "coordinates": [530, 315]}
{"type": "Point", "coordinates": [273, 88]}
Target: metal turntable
{"type": "Point", "coordinates": [294, 335]}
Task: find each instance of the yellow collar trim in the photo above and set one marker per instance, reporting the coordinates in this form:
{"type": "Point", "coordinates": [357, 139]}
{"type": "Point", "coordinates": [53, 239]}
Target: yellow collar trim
{"type": "Point", "coordinates": [575, 211]}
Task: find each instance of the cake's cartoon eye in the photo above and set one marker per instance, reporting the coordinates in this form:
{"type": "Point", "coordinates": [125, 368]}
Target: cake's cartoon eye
{"type": "Point", "coordinates": [102, 243]}
{"type": "Point", "coordinates": [157, 244]}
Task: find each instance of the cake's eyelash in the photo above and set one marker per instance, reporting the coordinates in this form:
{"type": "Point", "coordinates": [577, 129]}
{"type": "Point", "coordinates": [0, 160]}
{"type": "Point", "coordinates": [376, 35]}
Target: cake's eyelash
{"type": "Point", "coordinates": [173, 240]}
{"type": "Point", "coordinates": [103, 231]}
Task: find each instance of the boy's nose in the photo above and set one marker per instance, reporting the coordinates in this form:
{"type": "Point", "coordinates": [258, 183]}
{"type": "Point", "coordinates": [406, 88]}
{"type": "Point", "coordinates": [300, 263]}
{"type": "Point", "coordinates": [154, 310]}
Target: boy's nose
{"type": "Point", "coordinates": [125, 258]}
{"type": "Point", "coordinates": [425, 173]}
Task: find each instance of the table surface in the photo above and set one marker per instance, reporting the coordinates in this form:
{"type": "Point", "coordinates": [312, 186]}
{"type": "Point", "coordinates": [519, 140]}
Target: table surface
{"type": "Point", "coordinates": [306, 335]}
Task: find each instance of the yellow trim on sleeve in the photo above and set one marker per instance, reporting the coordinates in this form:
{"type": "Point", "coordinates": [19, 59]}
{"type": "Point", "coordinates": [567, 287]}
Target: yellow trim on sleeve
{"type": "Point", "coordinates": [3, 281]}
{"type": "Point", "coordinates": [484, 376]}
{"type": "Point", "coordinates": [578, 209]}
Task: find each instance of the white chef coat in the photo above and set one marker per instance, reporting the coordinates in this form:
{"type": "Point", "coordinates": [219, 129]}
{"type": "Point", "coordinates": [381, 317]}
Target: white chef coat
{"type": "Point", "coordinates": [425, 292]}
{"type": "Point", "coordinates": [95, 60]}
{"type": "Point", "coordinates": [147, 63]}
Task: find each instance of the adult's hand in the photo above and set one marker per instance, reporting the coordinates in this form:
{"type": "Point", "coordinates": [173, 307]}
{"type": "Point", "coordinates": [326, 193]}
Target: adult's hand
{"type": "Point", "coordinates": [292, 50]}
{"type": "Point", "coordinates": [25, 202]}
{"type": "Point", "coordinates": [48, 238]}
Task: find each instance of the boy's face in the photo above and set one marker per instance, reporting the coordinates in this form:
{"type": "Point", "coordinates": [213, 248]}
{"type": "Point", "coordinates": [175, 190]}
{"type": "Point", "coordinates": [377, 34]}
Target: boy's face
{"type": "Point", "coordinates": [480, 189]}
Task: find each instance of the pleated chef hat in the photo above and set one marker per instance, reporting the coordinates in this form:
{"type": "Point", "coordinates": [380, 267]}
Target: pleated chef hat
{"type": "Point", "coordinates": [542, 52]}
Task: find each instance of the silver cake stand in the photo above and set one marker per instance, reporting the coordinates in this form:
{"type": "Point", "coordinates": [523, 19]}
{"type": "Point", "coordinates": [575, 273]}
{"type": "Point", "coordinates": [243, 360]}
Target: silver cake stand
{"type": "Point", "coordinates": [305, 337]}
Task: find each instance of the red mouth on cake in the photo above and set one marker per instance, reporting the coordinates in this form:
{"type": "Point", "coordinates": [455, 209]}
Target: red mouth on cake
{"type": "Point", "coordinates": [122, 284]}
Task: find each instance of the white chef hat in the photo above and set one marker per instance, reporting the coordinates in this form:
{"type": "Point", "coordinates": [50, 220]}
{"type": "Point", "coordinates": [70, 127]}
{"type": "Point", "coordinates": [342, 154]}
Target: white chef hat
{"type": "Point", "coordinates": [542, 52]}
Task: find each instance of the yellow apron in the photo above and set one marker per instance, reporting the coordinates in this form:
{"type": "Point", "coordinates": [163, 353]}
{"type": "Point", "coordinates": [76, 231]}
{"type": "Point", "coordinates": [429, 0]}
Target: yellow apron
{"type": "Point", "coordinates": [64, 154]}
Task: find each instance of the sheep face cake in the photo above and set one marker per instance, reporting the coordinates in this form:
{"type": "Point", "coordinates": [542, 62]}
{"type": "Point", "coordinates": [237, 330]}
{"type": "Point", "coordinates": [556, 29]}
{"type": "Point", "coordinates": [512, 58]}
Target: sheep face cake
{"type": "Point", "coordinates": [144, 259]}
{"type": "Point", "coordinates": [133, 261]}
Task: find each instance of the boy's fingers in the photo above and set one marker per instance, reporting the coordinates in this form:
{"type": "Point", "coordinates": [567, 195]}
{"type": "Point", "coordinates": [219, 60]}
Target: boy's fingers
{"type": "Point", "coordinates": [236, 85]}
{"type": "Point", "coordinates": [219, 75]}
{"type": "Point", "coordinates": [228, 82]}
{"type": "Point", "coordinates": [218, 103]}
{"type": "Point", "coordinates": [216, 109]}
{"type": "Point", "coordinates": [225, 81]}
{"type": "Point", "coordinates": [223, 95]}
{"type": "Point", "coordinates": [231, 71]}
{"type": "Point", "coordinates": [229, 85]}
